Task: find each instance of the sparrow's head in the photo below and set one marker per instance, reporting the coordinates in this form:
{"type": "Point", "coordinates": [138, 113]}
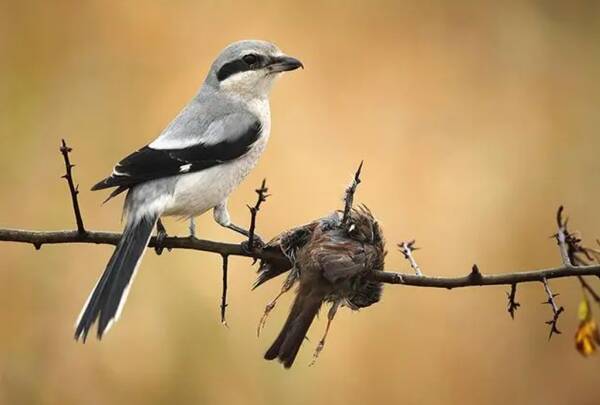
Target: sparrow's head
{"type": "Point", "coordinates": [248, 68]}
{"type": "Point", "coordinates": [363, 226]}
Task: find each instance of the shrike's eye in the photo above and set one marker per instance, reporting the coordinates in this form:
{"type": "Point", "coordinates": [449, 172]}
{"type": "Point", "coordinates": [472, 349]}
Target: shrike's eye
{"type": "Point", "coordinates": [250, 59]}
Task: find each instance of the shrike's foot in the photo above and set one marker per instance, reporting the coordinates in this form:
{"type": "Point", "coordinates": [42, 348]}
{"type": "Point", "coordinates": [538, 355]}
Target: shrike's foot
{"type": "Point", "coordinates": [238, 229]}
{"type": "Point", "coordinates": [161, 235]}
{"type": "Point", "coordinates": [257, 243]}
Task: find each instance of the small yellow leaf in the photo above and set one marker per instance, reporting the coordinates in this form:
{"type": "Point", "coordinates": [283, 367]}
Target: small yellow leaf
{"type": "Point", "coordinates": [587, 337]}
{"type": "Point", "coordinates": [584, 313]}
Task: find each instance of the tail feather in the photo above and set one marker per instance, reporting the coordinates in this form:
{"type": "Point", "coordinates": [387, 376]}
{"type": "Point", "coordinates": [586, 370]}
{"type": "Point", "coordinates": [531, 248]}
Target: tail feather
{"type": "Point", "coordinates": [288, 342]}
{"type": "Point", "coordinates": [110, 293]}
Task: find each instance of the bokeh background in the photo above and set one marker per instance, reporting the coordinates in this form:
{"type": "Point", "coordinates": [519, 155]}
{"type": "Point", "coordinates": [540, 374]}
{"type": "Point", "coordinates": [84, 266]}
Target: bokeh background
{"type": "Point", "coordinates": [475, 121]}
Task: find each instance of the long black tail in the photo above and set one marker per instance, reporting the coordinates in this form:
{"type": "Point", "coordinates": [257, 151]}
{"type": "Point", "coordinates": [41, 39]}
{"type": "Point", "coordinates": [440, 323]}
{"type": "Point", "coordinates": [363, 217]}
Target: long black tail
{"type": "Point", "coordinates": [305, 308]}
{"type": "Point", "coordinates": [109, 295]}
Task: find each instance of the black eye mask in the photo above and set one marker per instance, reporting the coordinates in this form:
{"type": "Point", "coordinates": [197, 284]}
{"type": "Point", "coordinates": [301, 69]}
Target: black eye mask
{"type": "Point", "coordinates": [247, 62]}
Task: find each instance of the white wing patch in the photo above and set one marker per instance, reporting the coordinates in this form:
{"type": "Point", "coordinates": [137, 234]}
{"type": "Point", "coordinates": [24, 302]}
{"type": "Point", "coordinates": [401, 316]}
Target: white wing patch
{"type": "Point", "coordinates": [185, 168]}
{"type": "Point", "coordinates": [115, 172]}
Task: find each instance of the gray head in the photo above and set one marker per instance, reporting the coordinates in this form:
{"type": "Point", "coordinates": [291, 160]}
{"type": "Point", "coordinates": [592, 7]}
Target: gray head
{"type": "Point", "coordinates": [248, 68]}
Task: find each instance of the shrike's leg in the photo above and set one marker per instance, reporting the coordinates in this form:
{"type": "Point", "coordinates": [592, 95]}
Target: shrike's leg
{"type": "Point", "coordinates": [192, 227]}
{"type": "Point", "coordinates": [221, 216]}
{"type": "Point", "coordinates": [161, 234]}
{"type": "Point", "coordinates": [330, 316]}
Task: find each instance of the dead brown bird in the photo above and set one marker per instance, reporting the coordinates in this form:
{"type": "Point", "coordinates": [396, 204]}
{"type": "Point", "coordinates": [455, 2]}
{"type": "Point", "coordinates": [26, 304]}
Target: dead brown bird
{"type": "Point", "coordinates": [331, 261]}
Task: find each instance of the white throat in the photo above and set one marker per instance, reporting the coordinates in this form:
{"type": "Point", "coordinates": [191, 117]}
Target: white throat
{"type": "Point", "coordinates": [248, 86]}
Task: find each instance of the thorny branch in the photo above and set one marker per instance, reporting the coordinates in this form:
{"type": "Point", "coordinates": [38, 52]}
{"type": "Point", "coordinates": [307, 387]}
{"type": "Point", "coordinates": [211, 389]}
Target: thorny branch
{"type": "Point", "coordinates": [262, 197]}
{"type": "Point", "coordinates": [224, 291]}
{"type": "Point", "coordinates": [513, 305]}
{"type": "Point", "coordinates": [484, 279]}
{"type": "Point", "coordinates": [73, 189]}
{"type": "Point", "coordinates": [40, 238]}
{"type": "Point", "coordinates": [578, 261]}
{"type": "Point", "coordinates": [556, 310]}
{"type": "Point", "coordinates": [571, 250]}
{"type": "Point", "coordinates": [564, 238]}
{"type": "Point", "coordinates": [573, 255]}
{"type": "Point", "coordinates": [350, 191]}
{"type": "Point", "coordinates": [407, 248]}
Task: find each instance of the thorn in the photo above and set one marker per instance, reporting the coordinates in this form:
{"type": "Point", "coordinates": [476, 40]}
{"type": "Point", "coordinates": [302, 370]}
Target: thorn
{"type": "Point", "coordinates": [559, 215]}
{"type": "Point", "coordinates": [350, 191]}
{"type": "Point", "coordinates": [224, 304]}
{"type": "Point", "coordinates": [556, 311]}
{"type": "Point", "coordinates": [475, 273]}
{"type": "Point", "coordinates": [407, 248]}
{"type": "Point", "coordinates": [262, 197]}
{"type": "Point", "coordinates": [357, 175]}
{"type": "Point", "coordinates": [513, 305]}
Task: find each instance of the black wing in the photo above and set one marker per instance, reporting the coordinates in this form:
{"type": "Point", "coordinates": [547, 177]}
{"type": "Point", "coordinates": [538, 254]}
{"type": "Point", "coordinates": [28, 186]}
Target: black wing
{"type": "Point", "coordinates": [149, 164]}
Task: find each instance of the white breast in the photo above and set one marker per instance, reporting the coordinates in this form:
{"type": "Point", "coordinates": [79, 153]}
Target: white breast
{"type": "Point", "coordinates": [196, 193]}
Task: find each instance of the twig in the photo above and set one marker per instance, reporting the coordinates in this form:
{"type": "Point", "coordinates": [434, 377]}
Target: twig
{"type": "Point", "coordinates": [73, 189]}
{"type": "Point", "coordinates": [573, 253]}
{"type": "Point", "coordinates": [224, 291]}
{"type": "Point", "coordinates": [556, 310]}
{"type": "Point", "coordinates": [111, 238]}
{"type": "Point", "coordinates": [562, 236]}
{"type": "Point", "coordinates": [262, 197]}
{"type": "Point", "coordinates": [40, 238]}
{"type": "Point", "coordinates": [513, 305]}
{"type": "Point", "coordinates": [483, 280]}
{"type": "Point", "coordinates": [349, 196]}
{"type": "Point", "coordinates": [407, 248]}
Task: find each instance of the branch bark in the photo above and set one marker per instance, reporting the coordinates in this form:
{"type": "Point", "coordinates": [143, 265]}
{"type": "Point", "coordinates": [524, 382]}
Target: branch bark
{"type": "Point", "coordinates": [73, 189]}
{"type": "Point", "coordinates": [483, 280]}
{"type": "Point", "coordinates": [40, 238]}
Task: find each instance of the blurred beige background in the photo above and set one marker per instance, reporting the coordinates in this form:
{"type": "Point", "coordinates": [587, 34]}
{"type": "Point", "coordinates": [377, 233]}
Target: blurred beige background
{"type": "Point", "coordinates": [475, 122]}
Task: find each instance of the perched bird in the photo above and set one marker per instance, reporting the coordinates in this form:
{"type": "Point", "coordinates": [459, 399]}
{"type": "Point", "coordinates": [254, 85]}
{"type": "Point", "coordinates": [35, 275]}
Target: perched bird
{"type": "Point", "coordinates": [192, 167]}
{"type": "Point", "coordinates": [330, 260]}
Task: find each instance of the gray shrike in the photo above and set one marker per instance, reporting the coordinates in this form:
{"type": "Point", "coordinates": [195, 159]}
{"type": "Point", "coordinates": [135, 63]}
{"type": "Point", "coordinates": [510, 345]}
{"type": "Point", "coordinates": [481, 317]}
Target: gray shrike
{"type": "Point", "coordinates": [192, 167]}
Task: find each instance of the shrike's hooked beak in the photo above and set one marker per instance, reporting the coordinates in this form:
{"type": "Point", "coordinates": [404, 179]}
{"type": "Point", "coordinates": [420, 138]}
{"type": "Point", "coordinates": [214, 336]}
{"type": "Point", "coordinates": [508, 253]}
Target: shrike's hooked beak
{"type": "Point", "coordinates": [283, 64]}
